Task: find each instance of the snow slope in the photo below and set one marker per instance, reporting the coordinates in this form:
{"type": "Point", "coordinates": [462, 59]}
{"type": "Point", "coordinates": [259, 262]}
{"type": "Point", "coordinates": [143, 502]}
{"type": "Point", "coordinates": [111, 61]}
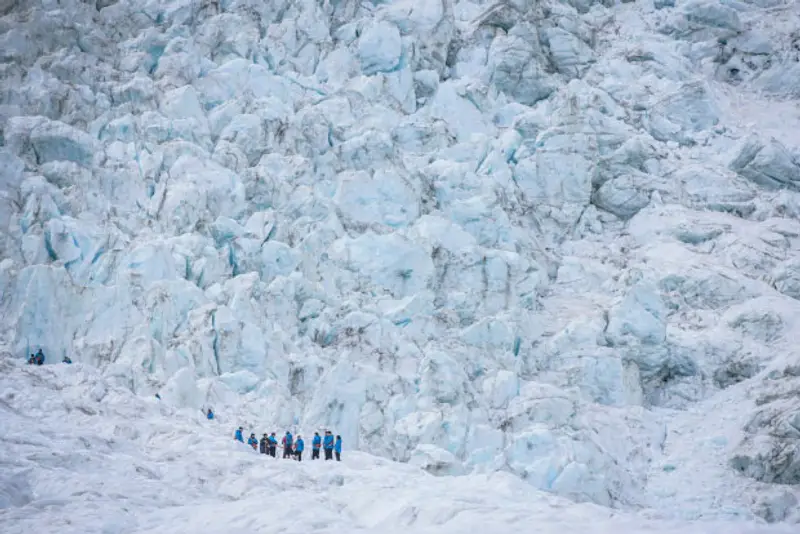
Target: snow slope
{"type": "Point", "coordinates": [553, 239]}
{"type": "Point", "coordinates": [82, 455]}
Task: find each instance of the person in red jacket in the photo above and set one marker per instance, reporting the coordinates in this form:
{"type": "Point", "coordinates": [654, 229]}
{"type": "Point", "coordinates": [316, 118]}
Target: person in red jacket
{"type": "Point", "coordinates": [316, 445]}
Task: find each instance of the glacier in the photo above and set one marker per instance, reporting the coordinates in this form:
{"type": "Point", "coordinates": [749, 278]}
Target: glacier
{"type": "Point", "coordinates": [127, 463]}
{"type": "Point", "coordinates": [547, 248]}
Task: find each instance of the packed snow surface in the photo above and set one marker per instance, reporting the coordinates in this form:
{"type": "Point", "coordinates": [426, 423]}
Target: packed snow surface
{"type": "Point", "coordinates": [546, 253]}
{"type": "Point", "coordinates": [80, 455]}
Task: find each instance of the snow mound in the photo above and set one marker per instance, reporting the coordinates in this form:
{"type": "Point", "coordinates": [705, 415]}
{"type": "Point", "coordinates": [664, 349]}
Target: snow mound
{"type": "Point", "coordinates": [84, 455]}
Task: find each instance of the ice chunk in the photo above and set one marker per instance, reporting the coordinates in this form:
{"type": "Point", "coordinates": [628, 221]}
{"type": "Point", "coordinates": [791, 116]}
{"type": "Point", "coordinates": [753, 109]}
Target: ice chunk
{"type": "Point", "coordinates": [383, 197]}
{"type": "Point", "coordinates": [501, 388]}
{"type": "Point", "coordinates": [11, 173]}
{"type": "Point", "coordinates": [56, 141]}
{"type": "Point", "coordinates": [388, 261]}
{"type": "Point", "coordinates": [367, 151]}
{"type": "Point", "coordinates": [247, 133]}
{"type": "Point", "coordinates": [570, 55]}
{"type": "Point", "coordinates": [225, 229]}
{"type": "Point", "coordinates": [557, 179]}
{"type": "Point", "coordinates": [181, 390]}
{"type": "Point", "coordinates": [782, 79]}
{"type": "Point", "coordinates": [766, 162]}
{"type": "Point", "coordinates": [709, 13]}
{"type": "Point", "coordinates": [786, 278]}
{"type": "Point", "coordinates": [624, 195]}
{"type": "Point", "coordinates": [440, 232]}
{"type": "Point", "coordinates": [680, 115]}
{"type": "Point", "coordinates": [641, 315]}
{"type": "Point", "coordinates": [489, 333]}
{"type": "Point", "coordinates": [515, 63]}
{"type": "Point", "coordinates": [380, 48]}
{"type": "Point", "coordinates": [140, 90]}
{"type": "Point", "coordinates": [277, 259]}
{"type": "Point", "coordinates": [198, 191]}
{"type": "Point", "coordinates": [240, 382]}
{"type": "Point", "coordinates": [758, 320]}
{"type": "Point", "coordinates": [435, 460]}
{"type": "Point", "coordinates": [713, 187]}
{"type": "Point", "coordinates": [182, 103]}
{"type": "Point", "coordinates": [452, 105]}
{"type": "Point", "coordinates": [150, 263]}
{"type": "Point", "coordinates": [701, 20]}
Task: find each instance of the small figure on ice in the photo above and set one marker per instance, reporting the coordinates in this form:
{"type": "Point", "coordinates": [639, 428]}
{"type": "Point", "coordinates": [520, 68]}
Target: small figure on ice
{"type": "Point", "coordinates": [37, 359]}
{"type": "Point", "coordinates": [316, 444]}
{"type": "Point", "coordinates": [273, 444]}
{"type": "Point", "coordinates": [337, 447]}
{"type": "Point", "coordinates": [327, 444]}
{"type": "Point", "coordinates": [287, 445]}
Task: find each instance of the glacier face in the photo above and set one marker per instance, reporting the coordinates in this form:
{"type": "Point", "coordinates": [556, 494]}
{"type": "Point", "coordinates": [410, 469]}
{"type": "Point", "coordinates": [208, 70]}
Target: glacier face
{"type": "Point", "coordinates": [552, 238]}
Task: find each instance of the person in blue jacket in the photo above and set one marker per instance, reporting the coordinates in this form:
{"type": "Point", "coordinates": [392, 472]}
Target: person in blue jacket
{"type": "Point", "coordinates": [316, 445]}
{"type": "Point", "coordinates": [40, 357]}
{"type": "Point", "coordinates": [238, 436]}
{"type": "Point", "coordinates": [272, 441]}
{"type": "Point", "coordinates": [299, 445]}
{"type": "Point", "coordinates": [327, 444]}
{"type": "Point", "coordinates": [210, 414]}
{"type": "Point", "coordinates": [337, 448]}
{"type": "Point", "coordinates": [252, 441]}
{"type": "Point", "coordinates": [287, 445]}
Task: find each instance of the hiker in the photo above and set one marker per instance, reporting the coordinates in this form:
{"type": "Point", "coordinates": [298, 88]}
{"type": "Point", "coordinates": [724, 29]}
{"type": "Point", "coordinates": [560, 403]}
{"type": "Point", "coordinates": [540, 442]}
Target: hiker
{"type": "Point", "coordinates": [263, 447]}
{"type": "Point", "coordinates": [66, 360]}
{"type": "Point", "coordinates": [32, 359]}
{"type": "Point", "coordinates": [298, 448]}
{"type": "Point", "coordinates": [287, 445]}
{"type": "Point", "coordinates": [273, 444]}
{"type": "Point", "coordinates": [337, 448]}
{"type": "Point", "coordinates": [158, 396]}
{"type": "Point", "coordinates": [37, 358]}
{"type": "Point", "coordinates": [327, 444]}
{"type": "Point", "coordinates": [210, 414]}
{"type": "Point", "coordinates": [252, 441]}
{"type": "Point", "coordinates": [316, 443]}
{"type": "Point", "coordinates": [238, 436]}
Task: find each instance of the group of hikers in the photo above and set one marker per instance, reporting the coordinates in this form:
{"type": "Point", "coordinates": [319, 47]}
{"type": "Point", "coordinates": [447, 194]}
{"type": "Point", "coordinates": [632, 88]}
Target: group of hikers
{"type": "Point", "coordinates": [293, 448]}
{"type": "Point", "coordinates": [38, 359]}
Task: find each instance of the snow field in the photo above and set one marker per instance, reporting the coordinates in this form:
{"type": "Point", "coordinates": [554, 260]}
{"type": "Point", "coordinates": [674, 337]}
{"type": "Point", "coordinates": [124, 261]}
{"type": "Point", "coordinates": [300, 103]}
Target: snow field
{"type": "Point", "coordinates": [82, 455]}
